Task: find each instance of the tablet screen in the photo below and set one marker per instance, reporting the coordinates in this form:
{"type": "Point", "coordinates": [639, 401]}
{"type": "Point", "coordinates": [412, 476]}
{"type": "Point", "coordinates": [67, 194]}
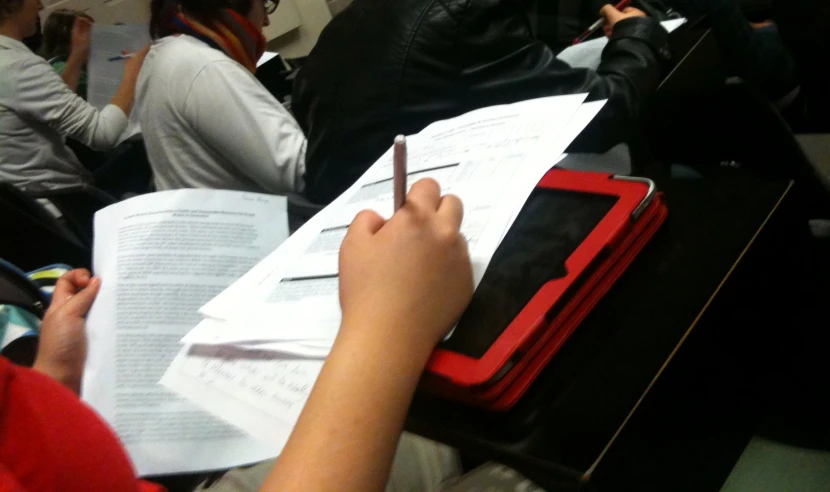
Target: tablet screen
{"type": "Point", "coordinates": [552, 224]}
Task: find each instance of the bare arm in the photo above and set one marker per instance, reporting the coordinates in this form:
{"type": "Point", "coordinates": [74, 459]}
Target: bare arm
{"type": "Point", "coordinates": [349, 430]}
{"type": "Point", "coordinates": [125, 95]}
{"type": "Point", "coordinates": [403, 284]}
{"type": "Point", "coordinates": [78, 53]}
{"type": "Point", "coordinates": [72, 72]}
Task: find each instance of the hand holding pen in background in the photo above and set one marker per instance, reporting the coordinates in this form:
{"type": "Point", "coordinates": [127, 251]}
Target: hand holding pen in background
{"type": "Point", "coordinates": [611, 14]}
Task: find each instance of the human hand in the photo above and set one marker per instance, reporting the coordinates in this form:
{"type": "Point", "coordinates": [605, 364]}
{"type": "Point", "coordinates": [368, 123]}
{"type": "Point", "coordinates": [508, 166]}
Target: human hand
{"type": "Point", "coordinates": [61, 354]}
{"type": "Point", "coordinates": [406, 281]}
{"type": "Point", "coordinates": [81, 34]}
{"type": "Point", "coordinates": [132, 65]}
{"type": "Point", "coordinates": [612, 16]}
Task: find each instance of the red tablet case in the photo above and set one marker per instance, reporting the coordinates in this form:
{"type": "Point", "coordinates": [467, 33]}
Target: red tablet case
{"type": "Point", "coordinates": [502, 375]}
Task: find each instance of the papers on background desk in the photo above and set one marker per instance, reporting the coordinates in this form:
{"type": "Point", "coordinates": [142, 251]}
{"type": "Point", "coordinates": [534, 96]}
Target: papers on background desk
{"type": "Point", "coordinates": [266, 57]}
{"type": "Point", "coordinates": [105, 76]}
{"type": "Point", "coordinates": [588, 54]}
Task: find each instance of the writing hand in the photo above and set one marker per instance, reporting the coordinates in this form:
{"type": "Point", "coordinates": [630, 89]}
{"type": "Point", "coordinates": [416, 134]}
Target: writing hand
{"type": "Point", "coordinates": [406, 280]}
{"type": "Point", "coordinates": [132, 65]}
{"type": "Point", "coordinates": [613, 16]}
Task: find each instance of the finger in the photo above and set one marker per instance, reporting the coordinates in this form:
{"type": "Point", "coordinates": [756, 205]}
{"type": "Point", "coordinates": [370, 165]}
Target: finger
{"type": "Point", "coordinates": [80, 303]}
{"type": "Point", "coordinates": [68, 285]}
{"type": "Point", "coordinates": [367, 222]}
{"type": "Point", "coordinates": [610, 13]}
{"type": "Point", "coordinates": [452, 210]}
{"type": "Point", "coordinates": [424, 195]}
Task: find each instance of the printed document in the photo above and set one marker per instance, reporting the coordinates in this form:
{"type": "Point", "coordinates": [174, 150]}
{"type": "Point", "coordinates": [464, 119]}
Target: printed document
{"type": "Point", "coordinates": [160, 257]}
{"type": "Point", "coordinates": [491, 158]}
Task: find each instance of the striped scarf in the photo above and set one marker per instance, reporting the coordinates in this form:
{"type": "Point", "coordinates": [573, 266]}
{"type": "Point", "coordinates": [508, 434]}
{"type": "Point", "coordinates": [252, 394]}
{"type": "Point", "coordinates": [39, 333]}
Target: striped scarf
{"type": "Point", "coordinates": [231, 33]}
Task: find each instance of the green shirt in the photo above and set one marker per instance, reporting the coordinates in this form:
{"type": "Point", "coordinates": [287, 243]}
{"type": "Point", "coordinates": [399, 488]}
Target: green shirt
{"type": "Point", "coordinates": [60, 65]}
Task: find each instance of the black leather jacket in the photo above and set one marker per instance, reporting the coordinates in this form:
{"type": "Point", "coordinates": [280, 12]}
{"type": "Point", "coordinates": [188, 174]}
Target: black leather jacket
{"type": "Point", "coordinates": [388, 67]}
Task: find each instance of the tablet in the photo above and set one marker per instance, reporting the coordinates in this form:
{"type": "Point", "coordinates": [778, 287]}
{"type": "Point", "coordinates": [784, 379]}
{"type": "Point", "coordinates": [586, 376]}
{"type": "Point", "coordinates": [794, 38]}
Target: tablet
{"type": "Point", "coordinates": [570, 224]}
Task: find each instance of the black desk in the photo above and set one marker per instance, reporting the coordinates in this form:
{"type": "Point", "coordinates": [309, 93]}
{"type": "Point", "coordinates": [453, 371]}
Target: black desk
{"type": "Point", "coordinates": [595, 416]}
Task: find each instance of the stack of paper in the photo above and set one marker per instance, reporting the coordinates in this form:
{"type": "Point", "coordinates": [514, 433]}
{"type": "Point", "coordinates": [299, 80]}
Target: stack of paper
{"type": "Point", "coordinates": [491, 158]}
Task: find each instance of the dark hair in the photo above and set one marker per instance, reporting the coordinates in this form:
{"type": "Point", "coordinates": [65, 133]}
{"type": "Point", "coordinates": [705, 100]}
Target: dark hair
{"type": "Point", "coordinates": [8, 7]}
{"type": "Point", "coordinates": [204, 11]}
{"type": "Point", "coordinates": [57, 32]}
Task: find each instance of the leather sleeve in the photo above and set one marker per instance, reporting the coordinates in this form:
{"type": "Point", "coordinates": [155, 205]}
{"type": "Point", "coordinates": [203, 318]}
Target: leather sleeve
{"type": "Point", "coordinates": [519, 67]}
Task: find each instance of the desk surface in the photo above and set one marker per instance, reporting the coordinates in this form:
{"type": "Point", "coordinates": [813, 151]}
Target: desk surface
{"type": "Point", "coordinates": [583, 399]}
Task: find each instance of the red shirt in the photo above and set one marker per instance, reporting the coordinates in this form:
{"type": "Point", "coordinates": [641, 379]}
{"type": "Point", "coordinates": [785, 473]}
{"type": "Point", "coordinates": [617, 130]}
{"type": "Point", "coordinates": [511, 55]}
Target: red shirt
{"type": "Point", "coordinates": [52, 441]}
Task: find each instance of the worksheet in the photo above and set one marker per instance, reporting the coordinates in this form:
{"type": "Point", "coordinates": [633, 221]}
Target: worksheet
{"type": "Point", "coordinates": [261, 393]}
{"type": "Point", "coordinates": [491, 158]}
{"type": "Point", "coordinates": [588, 54]}
{"type": "Point", "coordinates": [160, 257]}
{"type": "Point", "coordinates": [105, 76]}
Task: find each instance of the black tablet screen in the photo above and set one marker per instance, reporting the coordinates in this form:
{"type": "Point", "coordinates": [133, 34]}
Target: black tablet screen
{"type": "Point", "coordinates": [548, 229]}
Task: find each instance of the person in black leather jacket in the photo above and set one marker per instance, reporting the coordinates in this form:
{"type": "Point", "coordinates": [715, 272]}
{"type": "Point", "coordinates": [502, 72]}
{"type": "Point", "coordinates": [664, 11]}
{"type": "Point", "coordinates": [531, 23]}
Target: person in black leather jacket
{"type": "Point", "coordinates": [388, 67]}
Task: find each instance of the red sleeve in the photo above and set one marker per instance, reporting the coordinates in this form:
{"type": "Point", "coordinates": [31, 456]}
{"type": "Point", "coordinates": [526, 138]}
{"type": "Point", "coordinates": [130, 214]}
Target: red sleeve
{"type": "Point", "coordinates": [52, 441]}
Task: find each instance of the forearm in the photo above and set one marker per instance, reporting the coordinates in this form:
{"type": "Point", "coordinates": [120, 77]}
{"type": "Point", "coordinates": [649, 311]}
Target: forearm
{"type": "Point", "coordinates": [72, 71]}
{"type": "Point", "coordinates": [125, 95]}
{"type": "Point", "coordinates": [347, 434]}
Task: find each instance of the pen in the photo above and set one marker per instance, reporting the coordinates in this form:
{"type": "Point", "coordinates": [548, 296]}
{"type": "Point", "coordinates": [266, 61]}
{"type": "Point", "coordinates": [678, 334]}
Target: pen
{"type": "Point", "coordinates": [121, 57]}
{"type": "Point", "coordinates": [399, 164]}
{"type": "Point", "coordinates": [596, 25]}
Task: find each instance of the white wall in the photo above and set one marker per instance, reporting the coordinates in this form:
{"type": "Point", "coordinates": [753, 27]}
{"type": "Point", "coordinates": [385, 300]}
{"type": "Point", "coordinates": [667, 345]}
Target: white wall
{"type": "Point", "coordinates": [106, 11]}
{"type": "Point", "coordinates": [314, 15]}
{"type": "Point", "coordinates": [294, 29]}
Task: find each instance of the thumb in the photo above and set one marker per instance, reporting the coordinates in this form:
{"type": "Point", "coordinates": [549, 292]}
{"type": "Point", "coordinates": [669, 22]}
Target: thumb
{"type": "Point", "coordinates": [80, 304]}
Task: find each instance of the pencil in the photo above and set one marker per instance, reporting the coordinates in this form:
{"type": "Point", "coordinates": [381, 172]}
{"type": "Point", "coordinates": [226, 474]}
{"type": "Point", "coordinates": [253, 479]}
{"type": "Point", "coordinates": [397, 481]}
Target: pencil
{"type": "Point", "coordinates": [399, 164]}
{"type": "Point", "coordinates": [598, 24]}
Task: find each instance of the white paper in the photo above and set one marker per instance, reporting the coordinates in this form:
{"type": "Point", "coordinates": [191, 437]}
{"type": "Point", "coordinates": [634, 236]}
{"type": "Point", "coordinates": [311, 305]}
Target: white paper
{"type": "Point", "coordinates": [299, 348]}
{"type": "Point", "coordinates": [255, 391]}
{"type": "Point", "coordinates": [588, 54]}
{"type": "Point", "coordinates": [266, 57]}
{"type": "Point", "coordinates": [160, 256]}
{"type": "Point", "coordinates": [491, 158]}
{"type": "Point", "coordinates": [105, 76]}
{"type": "Point", "coordinates": [584, 115]}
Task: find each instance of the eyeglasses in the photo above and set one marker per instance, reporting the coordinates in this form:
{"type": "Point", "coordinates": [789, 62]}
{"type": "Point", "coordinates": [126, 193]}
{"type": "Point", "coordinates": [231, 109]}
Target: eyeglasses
{"type": "Point", "coordinates": [271, 6]}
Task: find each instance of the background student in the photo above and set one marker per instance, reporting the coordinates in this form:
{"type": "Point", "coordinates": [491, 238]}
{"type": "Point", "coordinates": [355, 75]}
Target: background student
{"type": "Point", "coordinates": [206, 120]}
{"type": "Point", "coordinates": [383, 68]}
{"type": "Point", "coordinates": [38, 110]}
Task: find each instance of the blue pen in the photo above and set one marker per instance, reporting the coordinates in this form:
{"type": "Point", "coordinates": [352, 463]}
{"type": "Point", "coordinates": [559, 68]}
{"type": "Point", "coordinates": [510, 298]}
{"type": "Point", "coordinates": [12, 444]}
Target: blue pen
{"type": "Point", "coordinates": [121, 57]}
